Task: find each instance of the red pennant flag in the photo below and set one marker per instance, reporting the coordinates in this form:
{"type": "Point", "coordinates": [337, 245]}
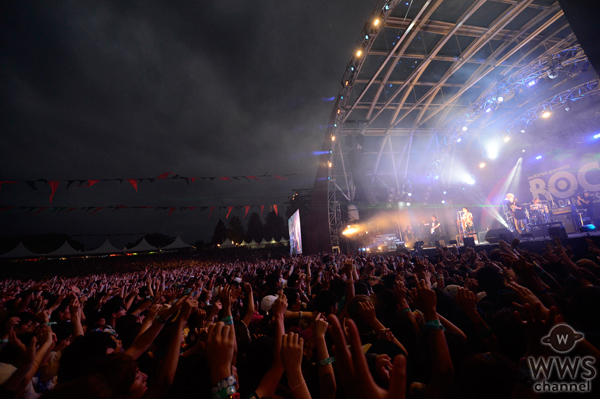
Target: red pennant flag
{"type": "Point", "coordinates": [97, 209]}
{"type": "Point", "coordinates": [133, 182]}
{"type": "Point", "coordinates": [171, 210]}
{"type": "Point", "coordinates": [279, 177]}
{"type": "Point", "coordinates": [212, 208]}
{"type": "Point", "coordinates": [6, 208]}
{"type": "Point", "coordinates": [253, 178]}
{"type": "Point", "coordinates": [165, 175]}
{"type": "Point", "coordinates": [247, 209]}
{"type": "Point", "coordinates": [229, 211]}
{"type": "Point", "coordinates": [191, 208]}
{"type": "Point", "coordinates": [53, 186]}
{"type": "Point", "coordinates": [6, 182]}
{"type": "Point", "coordinates": [68, 210]}
{"type": "Point", "coordinates": [261, 209]}
{"type": "Point", "coordinates": [193, 179]}
{"type": "Point", "coordinates": [225, 178]}
{"type": "Point", "coordinates": [40, 209]}
{"type": "Point", "coordinates": [275, 209]}
{"type": "Point", "coordinates": [90, 183]}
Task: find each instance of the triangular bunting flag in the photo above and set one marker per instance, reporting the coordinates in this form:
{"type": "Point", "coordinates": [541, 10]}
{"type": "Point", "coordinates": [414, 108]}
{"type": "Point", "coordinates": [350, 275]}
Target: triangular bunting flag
{"type": "Point", "coordinates": [165, 175]}
{"type": "Point", "coordinates": [193, 179]}
{"type": "Point", "coordinates": [212, 208]}
{"type": "Point", "coordinates": [279, 177]}
{"type": "Point", "coordinates": [171, 210]}
{"type": "Point", "coordinates": [133, 182]}
{"type": "Point", "coordinates": [262, 207]}
{"type": "Point", "coordinates": [97, 209]}
{"type": "Point", "coordinates": [247, 209]}
{"type": "Point", "coordinates": [40, 209]}
{"type": "Point", "coordinates": [275, 209]}
{"type": "Point", "coordinates": [5, 208]}
{"type": "Point", "coordinates": [68, 210]}
{"type": "Point", "coordinates": [90, 183]}
{"type": "Point", "coordinates": [230, 208]}
{"type": "Point", "coordinates": [53, 186]}
{"type": "Point", "coordinates": [225, 178]}
{"type": "Point", "coordinates": [253, 178]}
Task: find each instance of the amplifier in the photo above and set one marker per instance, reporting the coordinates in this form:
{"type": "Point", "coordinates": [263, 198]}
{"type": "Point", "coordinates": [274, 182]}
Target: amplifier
{"type": "Point", "coordinates": [569, 221]}
{"type": "Point", "coordinates": [563, 210]}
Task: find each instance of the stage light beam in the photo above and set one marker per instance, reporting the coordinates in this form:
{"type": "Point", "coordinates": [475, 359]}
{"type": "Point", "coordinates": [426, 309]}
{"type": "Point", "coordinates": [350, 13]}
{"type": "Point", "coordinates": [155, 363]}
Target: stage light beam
{"type": "Point", "coordinates": [482, 165]}
{"type": "Point", "coordinates": [546, 114]}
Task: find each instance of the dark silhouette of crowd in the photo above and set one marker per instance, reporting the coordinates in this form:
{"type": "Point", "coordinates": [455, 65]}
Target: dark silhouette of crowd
{"type": "Point", "coordinates": [242, 324]}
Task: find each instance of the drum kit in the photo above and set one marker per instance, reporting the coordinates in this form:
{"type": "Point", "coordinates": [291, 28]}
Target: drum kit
{"type": "Point", "coordinates": [538, 213]}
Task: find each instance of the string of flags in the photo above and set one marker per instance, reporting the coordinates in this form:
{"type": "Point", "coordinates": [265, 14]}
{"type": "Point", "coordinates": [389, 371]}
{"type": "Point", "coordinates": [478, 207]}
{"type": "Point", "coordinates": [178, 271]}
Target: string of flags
{"type": "Point", "coordinates": [90, 210]}
{"type": "Point", "coordinates": [33, 184]}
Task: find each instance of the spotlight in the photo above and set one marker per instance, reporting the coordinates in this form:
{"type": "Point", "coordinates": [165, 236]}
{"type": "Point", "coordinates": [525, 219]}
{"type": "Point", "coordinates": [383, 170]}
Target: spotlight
{"type": "Point", "coordinates": [332, 138]}
{"type": "Point", "coordinates": [482, 165]}
{"type": "Point", "coordinates": [500, 99]}
{"type": "Point", "coordinates": [443, 201]}
{"type": "Point", "coordinates": [386, 7]}
{"type": "Point", "coordinates": [464, 128]}
{"type": "Point", "coordinates": [538, 157]}
{"type": "Point", "coordinates": [506, 139]}
{"type": "Point", "coordinates": [410, 194]}
{"type": "Point", "coordinates": [546, 114]}
{"type": "Point", "coordinates": [408, 204]}
{"type": "Point", "coordinates": [531, 83]}
{"type": "Point", "coordinates": [522, 130]}
{"type": "Point", "coordinates": [458, 140]}
{"type": "Point", "coordinates": [597, 136]}
{"type": "Point", "coordinates": [553, 73]}
{"type": "Point", "coordinates": [376, 22]}
{"type": "Point", "coordinates": [366, 37]}
{"type": "Point", "coordinates": [523, 150]}
{"type": "Point", "coordinates": [488, 110]}
{"type": "Point", "coordinates": [445, 193]}
{"type": "Point", "coordinates": [329, 163]}
{"type": "Point", "coordinates": [359, 53]}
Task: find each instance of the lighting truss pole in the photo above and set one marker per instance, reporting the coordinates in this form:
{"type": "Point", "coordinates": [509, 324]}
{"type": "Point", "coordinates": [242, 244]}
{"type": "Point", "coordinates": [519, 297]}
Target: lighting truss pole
{"type": "Point", "coordinates": [335, 216]}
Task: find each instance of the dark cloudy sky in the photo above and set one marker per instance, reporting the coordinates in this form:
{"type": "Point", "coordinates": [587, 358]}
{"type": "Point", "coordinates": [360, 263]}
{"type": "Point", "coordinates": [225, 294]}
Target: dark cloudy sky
{"type": "Point", "coordinates": [126, 89]}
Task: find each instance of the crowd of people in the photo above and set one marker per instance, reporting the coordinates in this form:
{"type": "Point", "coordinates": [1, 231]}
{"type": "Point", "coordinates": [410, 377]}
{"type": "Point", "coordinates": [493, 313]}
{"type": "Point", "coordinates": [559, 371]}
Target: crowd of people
{"type": "Point", "coordinates": [457, 325]}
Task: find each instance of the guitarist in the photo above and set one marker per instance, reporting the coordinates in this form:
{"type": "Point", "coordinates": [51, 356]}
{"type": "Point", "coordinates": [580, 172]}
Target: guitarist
{"type": "Point", "coordinates": [467, 221]}
{"type": "Point", "coordinates": [518, 213]}
{"type": "Point", "coordinates": [586, 202]}
{"type": "Point", "coordinates": [436, 230]}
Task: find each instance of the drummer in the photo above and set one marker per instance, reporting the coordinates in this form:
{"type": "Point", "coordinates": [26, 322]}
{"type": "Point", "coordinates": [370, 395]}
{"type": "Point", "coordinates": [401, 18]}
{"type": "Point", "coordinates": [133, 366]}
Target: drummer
{"type": "Point", "coordinates": [536, 205]}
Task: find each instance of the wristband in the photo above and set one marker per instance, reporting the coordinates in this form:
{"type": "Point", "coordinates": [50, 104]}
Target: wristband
{"type": "Point", "coordinates": [327, 361]}
{"type": "Point", "coordinates": [228, 320]}
{"type": "Point", "coordinates": [434, 325]}
{"type": "Point", "coordinates": [405, 310]}
{"type": "Point", "coordinates": [50, 323]}
{"type": "Point", "coordinates": [161, 320]}
{"type": "Point", "coordinates": [224, 388]}
{"type": "Point", "coordinates": [4, 340]}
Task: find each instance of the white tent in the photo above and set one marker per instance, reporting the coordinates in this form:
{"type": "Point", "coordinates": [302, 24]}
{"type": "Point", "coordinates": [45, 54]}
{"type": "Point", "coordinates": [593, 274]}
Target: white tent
{"type": "Point", "coordinates": [253, 244]}
{"type": "Point", "coordinates": [284, 241]}
{"type": "Point", "coordinates": [177, 244]}
{"type": "Point", "coordinates": [273, 241]}
{"type": "Point", "coordinates": [106, 248]}
{"type": "Point", "coordinates": [20, 252]}
{"type": "Point", "coordinates": [65, 250]}
{"type": "Point", "coordinates": [227, 244]}
{"type": "Point", "coordinates": [244, 243]}
{"type": "Point", "coordinates": [143, 246]}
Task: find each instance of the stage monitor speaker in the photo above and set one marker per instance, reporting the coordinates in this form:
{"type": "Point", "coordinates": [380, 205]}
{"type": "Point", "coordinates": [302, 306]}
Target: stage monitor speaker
{"type": "Point", "coordinates": [440, 243]}
{"type": "Point", "coordinates": [569, 221]}
{"type": "Point", "coordinates": [495, 235]}
{"type": "Point", "coordinates": [557, 232]}
{"type": "Point", "coordinates": [469, 242]}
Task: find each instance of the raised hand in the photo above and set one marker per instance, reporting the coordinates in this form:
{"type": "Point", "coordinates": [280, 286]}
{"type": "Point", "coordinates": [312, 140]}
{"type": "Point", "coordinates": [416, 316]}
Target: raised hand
{"type": "Point", "coordinates": [354, 371]}
{"type": "Point", "coordinates": [291, 352]}
{"type": "Point", "coordinates": [466, 300]}
{"type": "Point", "coordinates": [220, 347]}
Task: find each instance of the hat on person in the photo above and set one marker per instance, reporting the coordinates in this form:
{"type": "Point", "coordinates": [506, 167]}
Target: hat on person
{"type": "Point", "coordinates": [267, 302]}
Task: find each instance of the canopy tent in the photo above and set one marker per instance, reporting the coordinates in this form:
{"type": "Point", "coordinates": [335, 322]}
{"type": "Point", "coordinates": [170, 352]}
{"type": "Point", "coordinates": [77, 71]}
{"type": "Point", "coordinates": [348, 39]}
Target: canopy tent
{"type": "Point", "coordinates": [253, 244]}
{"type": "Point", "coordinates": [106, 248]}
{"type": "Point", "coordinates": [284, 241]}
{"type": "Point", "coordinates": [65, 250]}
{"type": "Point", "coordinates": [143, 246]}
{"type": "Point", "coordinates": [20, 252]}
{"type": "Point", "coordinates": [177, 244]}
{"type": "Point", "coordinates": [244, 243]}
{"type": "Point", "coordinates": [227, 244]}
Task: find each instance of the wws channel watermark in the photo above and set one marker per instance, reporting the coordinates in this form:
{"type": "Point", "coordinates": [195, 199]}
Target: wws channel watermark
{"type": "Point", "coordinates": [562, 372]}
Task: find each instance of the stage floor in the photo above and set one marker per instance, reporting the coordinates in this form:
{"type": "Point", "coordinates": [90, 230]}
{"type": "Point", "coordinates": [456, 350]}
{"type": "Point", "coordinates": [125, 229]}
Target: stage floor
{"type": "Point", "coordinates": [575, 240]}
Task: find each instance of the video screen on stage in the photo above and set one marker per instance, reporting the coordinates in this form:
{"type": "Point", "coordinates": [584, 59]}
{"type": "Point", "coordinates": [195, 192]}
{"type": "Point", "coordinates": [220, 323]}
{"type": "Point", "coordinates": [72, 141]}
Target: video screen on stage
{"type": "Point", "coordinates": [295, 234]}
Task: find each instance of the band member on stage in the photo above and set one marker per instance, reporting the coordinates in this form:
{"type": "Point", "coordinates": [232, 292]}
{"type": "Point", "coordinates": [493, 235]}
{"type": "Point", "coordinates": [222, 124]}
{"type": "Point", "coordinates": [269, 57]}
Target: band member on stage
{"type": "Point", "coordinates": [586, 202]}
{"type": "Point", "coordinates": [408, 234]}
{"type": "Point", "coordinates": [435, 230]}
{"type": "Point", "coordinates": [536, 205]}
{"type": "Point", "coordinates": [518, 213]}
{"type": "Point", "coordinates": [466, 221]}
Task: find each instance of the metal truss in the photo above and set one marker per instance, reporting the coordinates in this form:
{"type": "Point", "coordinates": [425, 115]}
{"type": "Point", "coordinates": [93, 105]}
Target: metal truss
{"type": "Point", "coordinates": [499, 92]}
{"type": "Point", "coordinates": [560, 100]}
{"type": "Point", "coordinates": [335, 216]}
